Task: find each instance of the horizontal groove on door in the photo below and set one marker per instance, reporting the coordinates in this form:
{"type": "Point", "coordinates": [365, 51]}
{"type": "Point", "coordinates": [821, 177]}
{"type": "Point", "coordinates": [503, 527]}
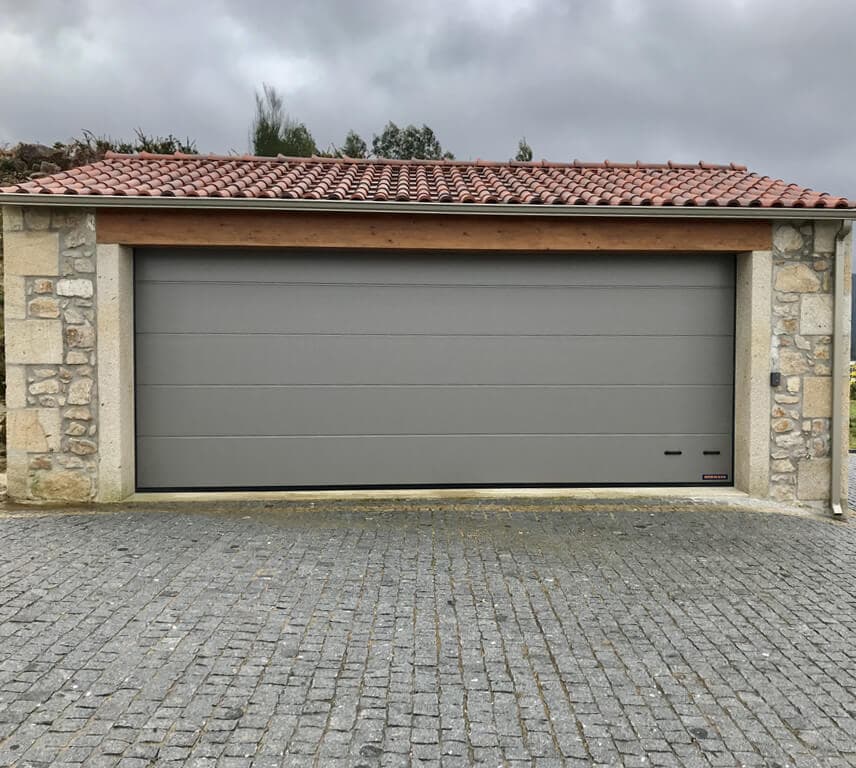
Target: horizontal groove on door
{"type": "Point", "coordinates": [444, 335]}
{"type": "Point", "coordinates": [344, 436]}
{"type": "Point", "coordinates": [365, 284]}
{"type": "Point", "coordinates": [323, 385]}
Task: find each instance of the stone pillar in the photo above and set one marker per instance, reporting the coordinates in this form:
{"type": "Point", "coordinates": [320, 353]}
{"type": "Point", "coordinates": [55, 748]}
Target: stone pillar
{"type": "Point", "coordinates": [51, 373]}
{"type": "Point", "coordinates": [842, 408]}
{"type": "Point", "coordinates": [801, 350]}
{"type": "Point", "coordinates": [116, 373]}
{"type": "Point", "coordinates": [752, 374]}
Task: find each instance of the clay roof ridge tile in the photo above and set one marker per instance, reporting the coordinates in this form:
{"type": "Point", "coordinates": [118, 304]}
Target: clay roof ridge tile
{"type": "Point", "coordinates": [478, 162]}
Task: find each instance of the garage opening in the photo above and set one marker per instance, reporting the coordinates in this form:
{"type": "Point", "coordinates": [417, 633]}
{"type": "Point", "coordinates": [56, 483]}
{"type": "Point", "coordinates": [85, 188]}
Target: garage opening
{"type": "Point", "coordinates": [261, 369]}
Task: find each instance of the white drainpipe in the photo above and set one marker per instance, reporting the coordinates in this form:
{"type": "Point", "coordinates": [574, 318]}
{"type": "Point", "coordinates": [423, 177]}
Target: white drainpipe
{"type": "Point", "coordinates": [840, 320]}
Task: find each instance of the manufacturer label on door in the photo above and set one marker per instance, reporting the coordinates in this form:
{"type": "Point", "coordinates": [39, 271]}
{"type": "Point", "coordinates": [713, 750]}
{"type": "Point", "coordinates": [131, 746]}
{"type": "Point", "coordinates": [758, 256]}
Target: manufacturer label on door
{"type": "Point", "coordinates": [714, 477]}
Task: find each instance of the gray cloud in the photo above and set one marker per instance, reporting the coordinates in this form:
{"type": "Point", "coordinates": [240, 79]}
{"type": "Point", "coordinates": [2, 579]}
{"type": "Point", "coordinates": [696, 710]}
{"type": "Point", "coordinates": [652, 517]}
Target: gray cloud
{"type": "Point", "coordinates": [763, 82]}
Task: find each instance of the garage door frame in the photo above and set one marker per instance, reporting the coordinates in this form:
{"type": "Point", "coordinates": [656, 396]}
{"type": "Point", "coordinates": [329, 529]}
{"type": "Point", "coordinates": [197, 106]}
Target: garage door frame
{"type": "Point", "coordinates": [115, 342]}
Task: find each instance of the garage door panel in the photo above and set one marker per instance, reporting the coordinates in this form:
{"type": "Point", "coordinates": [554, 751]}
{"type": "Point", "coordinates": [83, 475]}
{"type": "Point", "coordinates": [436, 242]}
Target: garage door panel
{"type": "Point", "coordinates": [325, 369]}
{"type": "Point", "coordinates": [442, 410]}
{"type": "Point", "coordinates": [414, 268]}
{"type": "Point", "coordinates": [273, 359]}
{"type": "Point", "coordinates": [367, 309]}
{"type": "Point", "coordinates": [419, 461]}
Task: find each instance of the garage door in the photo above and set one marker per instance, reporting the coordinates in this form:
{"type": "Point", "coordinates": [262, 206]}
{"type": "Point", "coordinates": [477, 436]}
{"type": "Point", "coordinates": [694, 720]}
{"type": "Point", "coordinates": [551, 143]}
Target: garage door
{"type": "Point", "coordinates": [272, 369]}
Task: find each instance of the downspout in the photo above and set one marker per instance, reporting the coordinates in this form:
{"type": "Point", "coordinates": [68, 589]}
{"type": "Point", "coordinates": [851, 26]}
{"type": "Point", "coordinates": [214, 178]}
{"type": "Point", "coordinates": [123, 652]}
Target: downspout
{"type": "Point", "coordinates": [839, 312]}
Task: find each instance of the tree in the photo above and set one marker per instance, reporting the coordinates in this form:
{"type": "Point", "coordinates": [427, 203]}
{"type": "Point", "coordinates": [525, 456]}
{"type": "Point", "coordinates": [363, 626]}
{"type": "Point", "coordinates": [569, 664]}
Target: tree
{"type": "Point", "coordinates": [274, 132]}
{"type": "Point", "coordinates": [297, 141]}
{"type": "Point", "coordinates": [524, 151]}
{"type": "Point", "coordinates": [354, 146]}
{"type": "Point", "coordinates": [267, 124]}
{"type": "Point", "coordinates": [408, 143]}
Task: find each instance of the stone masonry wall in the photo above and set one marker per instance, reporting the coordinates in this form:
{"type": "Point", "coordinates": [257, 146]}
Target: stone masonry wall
{"type": "Point", "coordinates": [50, 263]}
{"type": "Point", "coordinates": [50, 312]}
{"type": "Point", "coordinates": [801, 350]}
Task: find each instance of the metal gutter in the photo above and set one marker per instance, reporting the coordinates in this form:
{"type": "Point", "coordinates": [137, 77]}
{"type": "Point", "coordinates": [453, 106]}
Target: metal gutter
{"type": "Point", "coordinates": [839, 320]}
{"type": "Point", "coordinates": [458, 209]}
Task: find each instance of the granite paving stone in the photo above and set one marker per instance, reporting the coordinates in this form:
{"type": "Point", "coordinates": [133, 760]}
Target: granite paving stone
{"type": "Point", "coordinates": [852, 486]}
{"type": "Point", "coordinates": [404, 633]}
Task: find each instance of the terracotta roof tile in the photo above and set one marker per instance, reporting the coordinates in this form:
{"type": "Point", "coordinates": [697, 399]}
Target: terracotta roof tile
{"type": "Point", "coordinates": [428, 181]}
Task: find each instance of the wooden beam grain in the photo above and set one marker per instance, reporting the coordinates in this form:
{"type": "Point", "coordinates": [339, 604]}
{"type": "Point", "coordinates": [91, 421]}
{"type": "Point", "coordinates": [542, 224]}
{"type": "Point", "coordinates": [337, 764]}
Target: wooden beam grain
{"type": "Point", "coordinates": [286, 229]}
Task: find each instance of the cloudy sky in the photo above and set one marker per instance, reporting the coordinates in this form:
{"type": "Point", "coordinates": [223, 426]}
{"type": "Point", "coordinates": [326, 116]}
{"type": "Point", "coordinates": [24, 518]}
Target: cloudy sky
{"type": "Point", "coordinates": [768, 83]}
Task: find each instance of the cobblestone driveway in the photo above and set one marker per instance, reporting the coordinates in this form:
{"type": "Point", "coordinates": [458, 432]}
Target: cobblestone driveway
{"type": "Point", "coordinates": [467, 636]}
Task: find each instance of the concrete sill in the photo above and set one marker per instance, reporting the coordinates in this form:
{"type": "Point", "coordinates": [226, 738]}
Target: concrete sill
{"type": "Point", "coordinates": [642, 495]}
{"type": "Point", "coordinates": [652, 499]}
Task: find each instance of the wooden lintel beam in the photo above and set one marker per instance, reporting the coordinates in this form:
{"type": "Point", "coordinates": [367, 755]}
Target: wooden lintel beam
{"type": "Point", "coordinates": [285, 229]}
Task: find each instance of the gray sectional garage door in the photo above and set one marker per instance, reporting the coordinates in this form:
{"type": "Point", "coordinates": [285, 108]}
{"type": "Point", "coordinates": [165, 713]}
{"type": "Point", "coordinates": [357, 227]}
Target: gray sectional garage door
{"type": "Point", "coordinates": [266, 369]}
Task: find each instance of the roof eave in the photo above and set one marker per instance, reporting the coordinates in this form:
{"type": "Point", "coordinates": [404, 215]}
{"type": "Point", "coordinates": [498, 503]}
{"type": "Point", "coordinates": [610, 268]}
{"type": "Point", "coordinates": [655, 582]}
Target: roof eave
{"type": "Point", "coordinates": [353, 206]}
